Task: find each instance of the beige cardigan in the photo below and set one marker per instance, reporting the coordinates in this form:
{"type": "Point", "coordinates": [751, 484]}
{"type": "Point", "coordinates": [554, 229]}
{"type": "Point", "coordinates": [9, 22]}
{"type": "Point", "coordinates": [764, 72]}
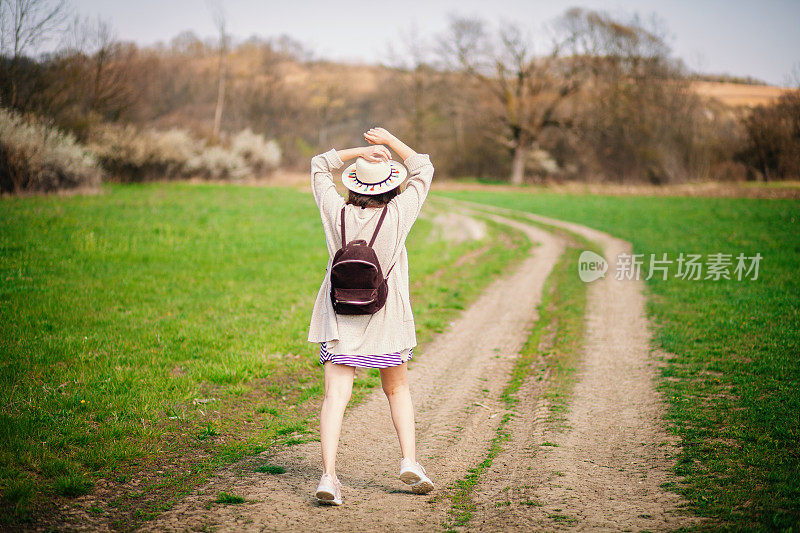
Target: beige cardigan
{"type": "Point", "coordinates": [391, 329]}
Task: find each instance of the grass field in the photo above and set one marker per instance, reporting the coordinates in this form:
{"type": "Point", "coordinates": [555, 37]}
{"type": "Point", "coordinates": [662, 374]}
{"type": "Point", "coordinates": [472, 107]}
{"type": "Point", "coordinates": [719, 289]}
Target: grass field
{"type": "Point", "coordinates": [155, 332]}
{"type": "Point", "coordinates": [732, 386]}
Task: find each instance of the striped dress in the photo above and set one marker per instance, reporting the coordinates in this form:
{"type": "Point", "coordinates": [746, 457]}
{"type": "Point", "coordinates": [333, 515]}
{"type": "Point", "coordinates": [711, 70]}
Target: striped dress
{"type": "Point", "coordinates": [365, 361]}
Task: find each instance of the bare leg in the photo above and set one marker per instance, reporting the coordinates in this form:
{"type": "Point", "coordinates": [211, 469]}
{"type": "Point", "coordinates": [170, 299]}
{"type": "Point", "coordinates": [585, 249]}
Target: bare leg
{"type": "Point", "coordinates": [395, 386]}
{"type": "Point", "coordinates": [338, 388]}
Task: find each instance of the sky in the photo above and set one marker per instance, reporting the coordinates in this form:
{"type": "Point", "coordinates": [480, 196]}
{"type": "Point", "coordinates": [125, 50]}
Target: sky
{"type": "Point", "coordinates": [758, 38]}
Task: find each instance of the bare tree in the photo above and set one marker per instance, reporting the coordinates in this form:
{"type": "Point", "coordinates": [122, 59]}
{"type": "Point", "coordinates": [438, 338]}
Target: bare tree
{"type": "Point", "coordinates": [24, 26]}
{"type": "Point", "coordinates": [526, 90]}
{"type": "Point", "coordinates": [328, 100]}
{"type": "Point", "coordinates": [103, 43]}
{"type": "Point", "coordinates": [639, 119]}
{"type": "Point", "coordinates": [415, 81]}
{"type": "Point", "coordinates": [96, 40]}
{"type": "Point", "coordinates": [90, 75]}
{"type": "Point", "coordinates": [792, 79]}
{"type": "Point", "coordinates": [291, 48]}
{"type": "Point", "coordinates": [260, 99]}
{"type": "Point", "coordinates": [188, 44]}
{"type": "Point", "coordinates": [773, 138]}
{"type": "Point", "coordinates": [613, 49]}
{"type": "Point", "coordinates": [220, 22]}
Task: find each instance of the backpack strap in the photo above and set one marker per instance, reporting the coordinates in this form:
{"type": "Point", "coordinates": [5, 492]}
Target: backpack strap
{"type": "Point", "coordinates": [343, 238]}
{"type": "Point", "coordinates": [378, 227]}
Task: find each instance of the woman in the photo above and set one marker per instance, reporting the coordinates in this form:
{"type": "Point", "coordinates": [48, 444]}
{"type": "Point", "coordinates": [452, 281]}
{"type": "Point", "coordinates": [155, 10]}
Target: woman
{"type": "Point", "coordinates": [386, 338]}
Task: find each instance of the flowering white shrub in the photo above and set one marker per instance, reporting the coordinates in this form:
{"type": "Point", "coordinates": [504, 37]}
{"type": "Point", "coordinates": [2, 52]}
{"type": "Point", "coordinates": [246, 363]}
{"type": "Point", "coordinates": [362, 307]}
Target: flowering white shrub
{"type": "Point", "coordinates": [131, 154]}
{"type": "Point", "coordinates": [215, 162]}
{"type": "Point", "coordinates": [36, 156]}
{"type": "Point", "coordinates": [543, 161]}
{"type": "Point", "coordinates": [118, 147]}
{"type": "Point", "coordinates": [259, 153]}
{"type": "Point", "coordinates": [177, 145]}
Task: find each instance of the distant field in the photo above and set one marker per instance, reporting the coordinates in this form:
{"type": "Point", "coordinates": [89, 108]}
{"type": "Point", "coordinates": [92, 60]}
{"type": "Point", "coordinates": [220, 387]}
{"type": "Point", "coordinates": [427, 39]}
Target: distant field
{"type": "Point", "coordinates": [152, 333]}
{"type": "Point", "coordinates": [732, 94]}
{"type": "Point", "coordinates": [739, 94]}
{"type": "Point", "coordinates": [732, 389]}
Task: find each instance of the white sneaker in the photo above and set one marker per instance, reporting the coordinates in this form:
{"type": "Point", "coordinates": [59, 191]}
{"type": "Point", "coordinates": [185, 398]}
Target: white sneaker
{"type": "Point", "coordinates": [329, 491]}
{"type": "Point", "coordinates": [412, 473]}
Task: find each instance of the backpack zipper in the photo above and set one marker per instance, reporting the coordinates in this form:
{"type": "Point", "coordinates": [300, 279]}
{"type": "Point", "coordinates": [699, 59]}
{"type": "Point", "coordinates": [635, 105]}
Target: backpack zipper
{"type": "Point", "coordinates": [355, 302]}
{"type": "Point", "coordinates": [355, 261]}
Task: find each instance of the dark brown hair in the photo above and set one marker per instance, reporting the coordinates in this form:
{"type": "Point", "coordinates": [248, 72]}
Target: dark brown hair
{"type": "Point", "coordinates": [372, 200]}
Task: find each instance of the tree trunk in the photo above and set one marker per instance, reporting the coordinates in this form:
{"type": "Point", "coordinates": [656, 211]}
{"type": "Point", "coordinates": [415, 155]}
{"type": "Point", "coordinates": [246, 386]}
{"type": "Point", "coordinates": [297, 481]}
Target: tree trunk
{"type": "Point", "coordinates": [419, 102]}
{"type": "Point", "coordinates": [518, 164]}
{"type": "Point", "coordinates": [12, 104]}
{"type": "Point", "coordinates": [458, 125]}
{"type": "Point", "coordinates": [98, 75]}
{"type": "Point", "coordinates": [220, 95]}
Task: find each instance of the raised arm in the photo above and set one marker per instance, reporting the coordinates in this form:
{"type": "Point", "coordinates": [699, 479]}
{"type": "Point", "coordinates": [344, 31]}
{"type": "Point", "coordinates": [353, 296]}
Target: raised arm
{"type": "Point", "coordinates": [370, 153]}
{"type": "Point", "coordinates": [420, 175]}
{"type": "Point", "coordinates": [382, 136]}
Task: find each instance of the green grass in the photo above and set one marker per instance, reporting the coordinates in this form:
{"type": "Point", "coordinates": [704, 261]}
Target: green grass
{"type": "Point", "coordinates": [789, 184]}
{"type": "Point", "coordinates": [557, 336]}
{"type": "Point", "coordinates": [554, 345]}
{"type": "Point", "coordinates": [270, 469]}
{"type": "Point", "coordinates": [73, 485]}
{"type": "Point", "coordinates": [155, 332]}
{"type": "Point", "coordinates": [228, 499]}
{"type": "Point", "coordinates": [732, 385]}
{"type": "Point", "coordinates": [460, 493]}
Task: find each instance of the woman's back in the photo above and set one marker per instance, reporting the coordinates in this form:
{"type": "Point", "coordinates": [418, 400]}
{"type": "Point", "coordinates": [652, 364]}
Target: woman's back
{"type": "Point", "coordinates": [392, 327]}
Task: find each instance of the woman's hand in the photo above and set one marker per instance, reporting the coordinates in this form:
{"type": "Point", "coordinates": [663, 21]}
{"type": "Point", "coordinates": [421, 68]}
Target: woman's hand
{"type": "Point", "coordinates": [379, 136]}
{"type": "Point", "coordinates": [376, 153]}
{"type": "Point", "coordinates": [382, 136]}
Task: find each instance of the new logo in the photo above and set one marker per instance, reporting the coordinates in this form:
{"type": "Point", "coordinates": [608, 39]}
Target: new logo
{"type": "Point", "coordinates": [591, 266]}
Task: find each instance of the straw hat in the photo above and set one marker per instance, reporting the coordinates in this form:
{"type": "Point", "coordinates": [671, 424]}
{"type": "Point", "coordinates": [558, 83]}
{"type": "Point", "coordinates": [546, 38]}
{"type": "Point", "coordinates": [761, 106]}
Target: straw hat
{"type": "Point", "coordinates": [367, 177]}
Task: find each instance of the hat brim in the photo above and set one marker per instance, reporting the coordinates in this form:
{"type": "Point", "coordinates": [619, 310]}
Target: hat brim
{"type": "Point", "coordinates": [395, 179]}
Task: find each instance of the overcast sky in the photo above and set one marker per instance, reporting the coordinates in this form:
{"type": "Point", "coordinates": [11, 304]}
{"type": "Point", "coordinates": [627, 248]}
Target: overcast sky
{"type": "Point", "coordinates": [759, 38]}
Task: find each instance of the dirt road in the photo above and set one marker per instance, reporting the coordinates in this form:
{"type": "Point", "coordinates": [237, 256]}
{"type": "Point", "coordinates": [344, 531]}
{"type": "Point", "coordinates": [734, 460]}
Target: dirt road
{"type": "Point", "coordinates": [604, 474]}
{"type": "Point", "coordinates": [605, 470]}
{"type": "Point", "coordinates": [466, 365]}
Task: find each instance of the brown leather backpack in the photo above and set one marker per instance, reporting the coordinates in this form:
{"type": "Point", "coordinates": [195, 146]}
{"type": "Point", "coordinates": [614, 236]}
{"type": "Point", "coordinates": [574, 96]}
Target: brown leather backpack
{"type": "Point", "coordinates": [358, 286]}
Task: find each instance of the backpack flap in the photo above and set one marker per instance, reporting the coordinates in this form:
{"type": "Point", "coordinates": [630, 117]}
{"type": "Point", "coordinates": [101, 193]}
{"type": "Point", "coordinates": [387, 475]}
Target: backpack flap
{"type": "Point", "coordinates": [355, 296]}
{"type": "Point", "coordinates": [356, 273]}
